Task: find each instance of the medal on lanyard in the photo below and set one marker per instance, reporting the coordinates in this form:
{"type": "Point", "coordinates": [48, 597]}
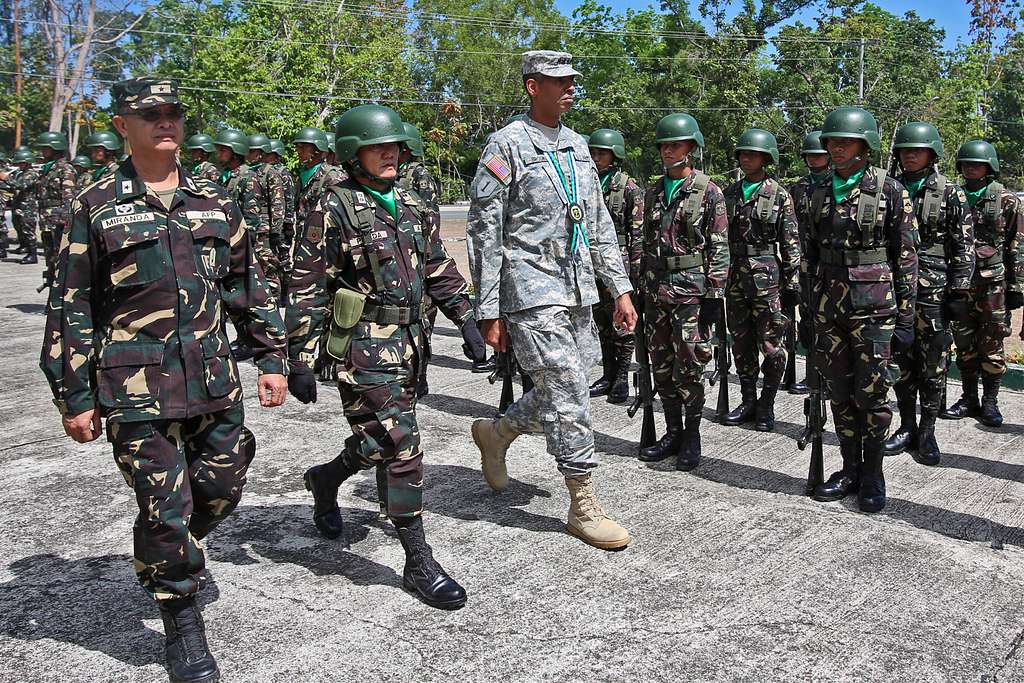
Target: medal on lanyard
{"type": "Point", "coordinates": [574, 210]}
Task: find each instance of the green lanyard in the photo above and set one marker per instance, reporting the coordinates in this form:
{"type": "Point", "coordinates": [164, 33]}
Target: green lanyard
{"type": "Point", "coordinates": [575, 210]}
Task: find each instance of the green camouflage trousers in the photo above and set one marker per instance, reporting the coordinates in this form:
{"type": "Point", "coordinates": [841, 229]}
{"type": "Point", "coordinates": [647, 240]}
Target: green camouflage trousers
{"type": "Point", "coordinates": [757, 324]}
{"type": "Point", "coordinates": [615, 347]}
{"type": "Point", "coordinates": [923, 365]}
{"type": "Point", "coordinates": [187, 476]}
{"type": "Point", "coordinates": [979, 334]}
{"type": "Point", "coordinates": [680, 349]}
{"type": "Point", "coordinates": [26, 233]}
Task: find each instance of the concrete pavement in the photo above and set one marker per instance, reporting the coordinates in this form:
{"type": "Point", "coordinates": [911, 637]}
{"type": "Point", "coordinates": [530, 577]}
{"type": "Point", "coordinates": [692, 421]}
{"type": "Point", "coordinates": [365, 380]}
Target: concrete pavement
{"type": "Point", "coordinates": [733, 574]}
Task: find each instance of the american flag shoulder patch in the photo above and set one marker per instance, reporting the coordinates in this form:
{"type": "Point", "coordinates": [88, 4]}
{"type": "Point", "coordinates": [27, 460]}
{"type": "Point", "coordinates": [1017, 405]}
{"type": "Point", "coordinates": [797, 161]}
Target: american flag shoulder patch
{"type": "Point", "coordinates": [498, 168]}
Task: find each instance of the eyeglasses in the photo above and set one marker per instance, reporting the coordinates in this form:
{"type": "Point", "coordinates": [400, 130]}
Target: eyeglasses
{"type": "Point", "coordinates": [155, 115]}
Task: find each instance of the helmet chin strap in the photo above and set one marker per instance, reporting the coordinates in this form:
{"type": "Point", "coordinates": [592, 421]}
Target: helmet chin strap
{"type": "Point", "coordinates": [853, 161]}
{"type": "Point", "coordinates": [685, 161]}
{"type": "Point", "coordinates": [358, 168]}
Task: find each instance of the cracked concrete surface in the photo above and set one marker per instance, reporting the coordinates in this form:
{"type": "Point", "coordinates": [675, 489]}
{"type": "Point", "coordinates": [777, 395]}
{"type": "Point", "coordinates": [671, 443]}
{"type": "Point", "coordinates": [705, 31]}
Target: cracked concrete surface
{"type": "Point", "coordinates": [733, 573]}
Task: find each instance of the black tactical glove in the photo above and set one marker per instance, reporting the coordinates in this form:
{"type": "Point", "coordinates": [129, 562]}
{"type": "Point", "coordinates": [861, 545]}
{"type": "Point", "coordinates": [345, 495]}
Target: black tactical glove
{"type": "Point", "coordinates": [790, 299]}
{"type": "Point", "coordinates": [1014, 300]}
{"type": "Point", "coordinates": [474, 346]}
{"type": "Point", "coordinates": [710, 312]}
{"type": "Point", "coordinates": [302, 383]}
{"type": "Point", "coordinates": [902, 338]}
{"type": "Point", "coordinates": [958, 305]}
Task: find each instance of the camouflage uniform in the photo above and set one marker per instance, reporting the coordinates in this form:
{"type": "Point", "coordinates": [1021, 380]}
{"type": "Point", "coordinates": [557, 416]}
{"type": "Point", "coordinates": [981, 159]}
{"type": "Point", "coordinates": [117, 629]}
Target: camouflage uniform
{"type": "Point", "coordinates": [152, 355]}
{"type": "Point", "coordinates": [244, 188]}
{"type": "Point", "coordinates": [685, 260]}
{"type": "Point", "coordinates": [56, 190]}
{"type": "Point", "coordinates": [764, 244]}
{"type": "Point", "coordinates": [350, 241]}
{"type": "Point", "coordinates": [800, 192]}
{"type": "Point", "coordinates": [528, 271]}
{"type": "Point", "coordinates": [205, 170]}
{"type": "Point", "coordinates": [625, 202]}
{"type": "Point", "coordinates": [287, 237]}
{"type": "Point", "coordinates": [25, 207]}
{"type": "Point", "coordinates": [271, 200]}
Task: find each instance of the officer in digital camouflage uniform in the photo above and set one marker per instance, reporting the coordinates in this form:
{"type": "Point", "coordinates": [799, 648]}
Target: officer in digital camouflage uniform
{"type": "Point", "coordinates": [539, 233]}
{"type": "Point", "coordinates": [685, 266]}
{"type": "Point", "coordinates": [368, 258]}
{"type": "Point", "coordinates": [625, 202]}
{"type": "Point", "coordinates": [817, 161]}
{"type": "Point", "coordinates": [152, 264]}
{"type": "Point", "coordinates": [282, 243]}
{"type": "Point", "coordinates": [764, 245]}
{"type": "Point", "coordinates": [24, 202]}
{"type": "Point", "coordinates": [945, 269]}
{"type": "Point", "coordinates": [862, 261]}
{"type": "Point", "coordinates": [105, 151]}
{"type": "Point", "coordinates": [270, 198]}
{"type": "Point", "coordinates": [55, 189]}
{"type": "Point", "coordinates": [982, 320]}
{"type": "Point", "coordinates": [199, 148]}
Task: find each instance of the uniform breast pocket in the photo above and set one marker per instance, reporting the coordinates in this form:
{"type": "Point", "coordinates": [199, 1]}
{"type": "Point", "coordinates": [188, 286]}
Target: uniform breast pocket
{"type": "Point", "coordinates": [212, 242]}
{"type": "Point", "coordinates": [135, 254]}
{"type": "Point", "coordinates": [129, 374]}
{"type": "Point", "coordinates": [871, 289]}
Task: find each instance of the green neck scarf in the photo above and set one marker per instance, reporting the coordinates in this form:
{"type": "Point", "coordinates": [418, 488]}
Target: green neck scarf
{"type": "Point", "coordinates": [385, 199]}
{"type": "Point", "coordinates": [98, 173]}
{"type": "Point", "coordinates": [749, 187]}
{"type": "Point", "coordinates": [306, 174]}
{"type": "Point", "coordinates": [225, 175]}
{"type": "Point", "coordinates": [671, 187]}
{"type": "Point", "coordinates": [841, 188]}
{"type": "Point", "coordinates": [914, 186]}
{"type": "Point", "coordinates": [48, 165]}
{"type": "Point", "coordinates": [606, 179]}
{"type": "Point", "coordinates": [815, 178]}
{"type": "Point", "coordinates": [975, 196]}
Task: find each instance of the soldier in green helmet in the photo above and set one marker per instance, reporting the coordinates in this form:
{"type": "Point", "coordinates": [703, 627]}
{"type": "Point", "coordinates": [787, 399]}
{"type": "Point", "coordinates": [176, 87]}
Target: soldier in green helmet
{"type": "Point", "coordinates": [982, 320]}
{"type": "Point", "coordinates": [330, 158]}
{"type": "Point", "coordinates": [625, 202]}
{"type": "Point", "coordinates": [83, 167]}
{"type": "Point", "coordinates": [817, 161]}
{"type": "Point", "coordinates": [200, 147]}
{"type": "Point", "coordinates": [862, 262]}
{"type": "Point", "coordinates": [24, 202]}
{"type": "Point", "coordinates": [105, 149]}
{"type": "Point", "coordinates": [271, 200]}
{"type": "Point", "coordinates": [764, 245]}
{"type": "Point", "coordinates": [686, 271]}
{"type": "Point", "coordinates": [56, 189]}
{"type": "Point", "coordinates": [945, 270]}
{"type": "Point", "coordinates": [368, 262]}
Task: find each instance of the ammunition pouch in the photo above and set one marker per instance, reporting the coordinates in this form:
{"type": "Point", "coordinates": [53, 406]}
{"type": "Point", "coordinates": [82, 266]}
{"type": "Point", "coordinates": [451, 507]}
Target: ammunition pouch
{"type": "Point", "coordinates": [347, 311]}
{"type": "Point", "coordinates": [740, 249]}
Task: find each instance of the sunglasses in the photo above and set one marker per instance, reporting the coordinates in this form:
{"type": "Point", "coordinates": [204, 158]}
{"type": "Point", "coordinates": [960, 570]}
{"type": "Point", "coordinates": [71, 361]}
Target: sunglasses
{"type": "Point", "coordinates": [155, 115]}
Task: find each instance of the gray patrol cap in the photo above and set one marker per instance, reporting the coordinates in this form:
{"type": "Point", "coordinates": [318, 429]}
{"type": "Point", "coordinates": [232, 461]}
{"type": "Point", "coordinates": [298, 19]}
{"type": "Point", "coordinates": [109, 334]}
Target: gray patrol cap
{"type": "Point", "coordinates": [548, 63]}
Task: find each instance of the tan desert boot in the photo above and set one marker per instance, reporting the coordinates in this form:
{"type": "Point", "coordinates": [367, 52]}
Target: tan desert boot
{"type": "Point", "coordinates": [493, 438]}
{"type": "Point", "coordinates": [587, 521]}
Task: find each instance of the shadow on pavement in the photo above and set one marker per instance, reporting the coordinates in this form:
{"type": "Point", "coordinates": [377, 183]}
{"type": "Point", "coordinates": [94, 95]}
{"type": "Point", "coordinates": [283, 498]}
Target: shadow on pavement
{"type": "Point", "coordinates": [32, 309]}
{"type": "Point", "coordinates": [990, 468]}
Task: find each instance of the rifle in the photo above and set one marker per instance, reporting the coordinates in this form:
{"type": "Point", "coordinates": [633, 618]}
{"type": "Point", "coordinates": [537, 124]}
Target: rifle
{"type": "Point", "coordinates": [722, 364]}
{"type": "Point", "coordinates": [506, 369]}
{"type": "Point", "coordinates": [815, 416]}
{"type": "Point", "coordinates": [789, 377]}
{"type": "Point", "coordinates": [642, 381]}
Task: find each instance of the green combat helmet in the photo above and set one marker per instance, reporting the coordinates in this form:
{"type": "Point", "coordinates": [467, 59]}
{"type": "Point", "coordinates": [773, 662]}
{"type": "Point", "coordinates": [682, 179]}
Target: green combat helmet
{"type": "Point", "coordinates": [200, 141]}
{"type": "Point", "coordinates": [852, 122]}
{"type": "Point", "coordinates": [53, 140]}
{"type": "Point", "coordinates": [812, 144]}
{"type": "Point", "coordinates": [23, 155]}
{"type": "Point", "coordinates": [918, 135]}
{"type": "Point", "coordinates": [365, 125]}
{"type": "Point", "coordinates": [678, 127]}
{"type": "Point", "coordinates": [757, 140]}
{"type": "Point", "coordinates": [330, 141]}
{"type": "Point", "coordinates": [259, 141]}
{"type": "Point", "coordinates": [83, 162]}
{"type": "Point", "coordinates": [105, 139]}
{"type": "Point", "coordinates": [606, 138]}
{"type": "Point", "coordinates": [235, 140]}
{"type": "Point", "coordinates": [277, 147]}
{"type": "Point", "coordinates": [979, 151]}
{"type": "Point", "coordinates": [415, 141]}
{"type": "Point", "coordinates": [312, 136]}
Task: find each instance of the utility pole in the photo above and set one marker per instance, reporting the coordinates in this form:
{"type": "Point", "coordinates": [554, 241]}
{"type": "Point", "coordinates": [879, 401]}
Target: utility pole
{"type": "Point", "coordinates": [860, 87]}
{"type": "Point", "coordinates": [17, 74]}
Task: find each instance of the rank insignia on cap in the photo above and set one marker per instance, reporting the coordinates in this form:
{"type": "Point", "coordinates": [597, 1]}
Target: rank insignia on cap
{"type": "Point", "coordinates": [497, 166]}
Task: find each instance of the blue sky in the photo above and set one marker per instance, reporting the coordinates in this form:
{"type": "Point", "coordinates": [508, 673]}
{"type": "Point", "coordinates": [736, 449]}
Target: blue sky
{"type": "Point", "coordinates": [951, 15]}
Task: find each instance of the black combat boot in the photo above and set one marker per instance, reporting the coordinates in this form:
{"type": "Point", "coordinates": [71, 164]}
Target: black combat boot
{"type": "Point", "coordinates": [990, 415]}
{"type": "Point", "coordinates": [904, 438]}
{"type": "Point", "coordinates": [619, 392]}
{"type": "Point", "coordinates": [967, 405]}
{"type": "Point", "coordinates": [846, 480]}
{"type": "Point", "coordinates": [188, 655]}
{"type": "Point", "coordinates": [766, 408]}
{"type": "Point", "coordinates": [323, 482]}
{"type": "Point", "coordinates": [872, 484]}
{"type": "Point", "coordinates": [422, 388]}
{"type": "Point", "coordinates": [28, 259]}
{"type": "Point", "coordinates": [688, 456]}
{"type": "Point", "coordinates": [604, 383]}
{"type": "Point", "coordinates": [927, 448]}
{"type": "Point", "coordinates": [800, 387]}
{"type": "Point", "coordinates": [668, 445]}
{"type": "Point", "coordinates": [747, 409]}
{"type": "Point", "coordinates": [422, 574]}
